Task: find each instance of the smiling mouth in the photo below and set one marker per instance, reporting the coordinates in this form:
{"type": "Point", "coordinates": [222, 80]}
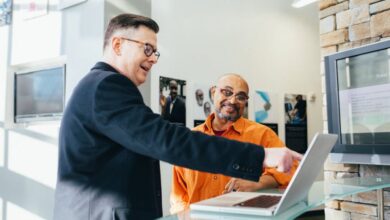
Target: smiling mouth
{"type": "Point", "coordinates": [146, 68]}
{"type": "Point", "coordinates": [230, 108]}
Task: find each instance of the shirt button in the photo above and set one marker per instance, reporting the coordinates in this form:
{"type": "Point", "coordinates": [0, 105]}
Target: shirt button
{"type": "Point", "coordinates": [236, 166]}
{"type": "Point", "coordinates": [215, 177]}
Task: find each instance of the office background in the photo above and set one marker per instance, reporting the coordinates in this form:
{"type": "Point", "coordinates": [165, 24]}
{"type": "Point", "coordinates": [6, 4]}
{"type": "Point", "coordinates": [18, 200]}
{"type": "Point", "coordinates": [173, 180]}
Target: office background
{"type": "Point", "coordinates": [262, 40]}
{"type": "Point", "coordinates": [274, 46]}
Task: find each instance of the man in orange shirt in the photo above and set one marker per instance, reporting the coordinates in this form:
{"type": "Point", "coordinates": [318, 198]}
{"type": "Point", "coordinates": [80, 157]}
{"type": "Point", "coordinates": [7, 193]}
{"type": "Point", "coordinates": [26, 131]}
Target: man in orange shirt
{"type": "Point", "coordinates": [230, 97]}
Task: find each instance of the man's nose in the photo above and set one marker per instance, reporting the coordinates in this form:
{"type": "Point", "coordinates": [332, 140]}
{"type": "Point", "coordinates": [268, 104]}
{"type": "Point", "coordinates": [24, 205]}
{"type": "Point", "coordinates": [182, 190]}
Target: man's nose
{"type": "Point", "coordinates": [153, 58]}
{"type": "Point", "coordinates": [232, 99]}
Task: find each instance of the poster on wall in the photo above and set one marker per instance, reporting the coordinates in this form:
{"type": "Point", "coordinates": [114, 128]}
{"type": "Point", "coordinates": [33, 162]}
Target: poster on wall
{"type": "Point", "coordinates": [295, 122]}
{"type": "Point", "coordinates": [266, 110]}
{"type": "Point", "coordinates": [204, 104]}
{"type": "Point", "coordinates": [34, 8]}
{"type": "Point", "coordinates": [5, 12]}
{"type": "Point", "coordinates": [173, 100]}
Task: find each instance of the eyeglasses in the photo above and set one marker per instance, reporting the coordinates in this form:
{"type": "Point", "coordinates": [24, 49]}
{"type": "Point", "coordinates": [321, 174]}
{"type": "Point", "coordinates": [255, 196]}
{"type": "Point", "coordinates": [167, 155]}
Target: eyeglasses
{"type": "Point", "coordinates": [148, 49]}
{"type": "Point", "coordinates": [241, 97]}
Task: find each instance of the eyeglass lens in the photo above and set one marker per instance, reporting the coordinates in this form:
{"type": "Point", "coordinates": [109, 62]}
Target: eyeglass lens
{"type": "Point", "coordinates": [240, 97]}
{"type": "Point", "coordinates": [149, 50]}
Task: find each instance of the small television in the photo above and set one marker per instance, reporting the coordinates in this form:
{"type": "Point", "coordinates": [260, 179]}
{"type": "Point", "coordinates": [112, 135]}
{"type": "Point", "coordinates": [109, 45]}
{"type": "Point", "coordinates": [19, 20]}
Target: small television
{"type": "Point", "coordinates": [358, 104]}
{"type": "Point", "coordinates": [36, 92]}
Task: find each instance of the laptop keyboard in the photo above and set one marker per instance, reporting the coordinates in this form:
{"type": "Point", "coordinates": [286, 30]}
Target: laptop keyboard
{"type": "Point", "coordinates": [263, 201]}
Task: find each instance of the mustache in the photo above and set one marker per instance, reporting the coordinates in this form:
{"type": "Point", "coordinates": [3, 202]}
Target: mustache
{"type": "Point", "coordinates": [228, 117]}
{"type": "Point", "coordinates": [226, 103]}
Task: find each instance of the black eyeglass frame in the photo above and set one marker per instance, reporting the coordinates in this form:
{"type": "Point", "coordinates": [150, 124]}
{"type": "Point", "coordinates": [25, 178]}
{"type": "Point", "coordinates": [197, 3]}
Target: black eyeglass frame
{"type": "Point", "coordinates": [240, 96]}
{"type": "Point", "coordinates": [148, 48]}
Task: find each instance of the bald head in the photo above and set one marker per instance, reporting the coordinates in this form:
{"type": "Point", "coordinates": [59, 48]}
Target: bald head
{"type": "Point", "coordinates": [234, 79]}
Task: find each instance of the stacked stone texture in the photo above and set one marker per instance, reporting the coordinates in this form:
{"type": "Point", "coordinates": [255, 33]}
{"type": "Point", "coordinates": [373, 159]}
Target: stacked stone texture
{"type": "Point", "coordinates": [346, 24]}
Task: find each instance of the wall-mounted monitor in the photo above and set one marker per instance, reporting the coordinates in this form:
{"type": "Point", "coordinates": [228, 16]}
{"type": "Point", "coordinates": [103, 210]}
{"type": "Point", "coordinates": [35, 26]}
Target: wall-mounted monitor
{"type": "Point", "coordinates": [358, 103]}
{"type": "Point", "coordinates": [36, 92]}
{"type": "Point", "coordinates": [39, 94]}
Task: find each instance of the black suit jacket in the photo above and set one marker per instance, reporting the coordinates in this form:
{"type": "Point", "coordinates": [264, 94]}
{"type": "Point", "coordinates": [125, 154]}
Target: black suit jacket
{"type": "Point", "coordinates": [178, 114]}
{"type": "Point", "coordinates": [110, 144]}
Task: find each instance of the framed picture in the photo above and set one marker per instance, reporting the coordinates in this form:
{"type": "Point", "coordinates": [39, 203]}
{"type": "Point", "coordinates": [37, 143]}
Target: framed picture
{"type": "Point", "coordinates": [204, 103]}
{"type": "Point", "coordinates": [266, 107]}
{"type": "Point", "coordinates": [5, 12]}
{"type": "Point", "coordinates": [173, 100]}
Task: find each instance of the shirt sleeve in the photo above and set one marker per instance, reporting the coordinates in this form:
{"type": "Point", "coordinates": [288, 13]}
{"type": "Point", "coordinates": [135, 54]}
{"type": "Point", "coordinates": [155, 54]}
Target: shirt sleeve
{"type": "Point", "coordinates": [179, 195]}
{"type": "Point", "coordinates": [282, 178]}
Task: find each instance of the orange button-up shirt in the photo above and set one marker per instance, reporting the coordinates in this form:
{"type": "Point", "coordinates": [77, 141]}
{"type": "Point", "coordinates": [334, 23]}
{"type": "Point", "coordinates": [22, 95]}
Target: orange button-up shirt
{"type": "Point", "coordinates": [191, 186]}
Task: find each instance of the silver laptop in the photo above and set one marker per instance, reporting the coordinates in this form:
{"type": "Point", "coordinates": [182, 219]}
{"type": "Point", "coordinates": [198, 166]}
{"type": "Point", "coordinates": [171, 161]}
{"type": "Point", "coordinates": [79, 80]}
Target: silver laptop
{"type": "Point", "coordinates": [266, 204]}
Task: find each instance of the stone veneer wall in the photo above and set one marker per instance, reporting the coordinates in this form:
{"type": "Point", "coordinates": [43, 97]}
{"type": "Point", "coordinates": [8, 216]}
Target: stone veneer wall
{"type": "Point", "coordinates": [346, 24]}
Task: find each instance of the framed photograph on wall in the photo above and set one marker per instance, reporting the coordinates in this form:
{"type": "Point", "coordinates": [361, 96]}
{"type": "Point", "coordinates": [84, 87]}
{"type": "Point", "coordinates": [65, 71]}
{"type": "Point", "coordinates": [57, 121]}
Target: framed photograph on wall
{"type": "Point", "coordinates": [295, 122]}
{"type": "Point", "coordinates": [5, 12]}
{"type": "Point", "coordinates": [265, 107]}
{"type": "Point", "coordinates": [172, 99]}
{"type": "Point", "coordinates": [204, 103]}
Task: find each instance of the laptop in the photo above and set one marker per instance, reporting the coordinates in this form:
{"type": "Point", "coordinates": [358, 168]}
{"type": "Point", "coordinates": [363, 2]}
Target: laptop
{"type": "Point", "coordinates": [268, 204]}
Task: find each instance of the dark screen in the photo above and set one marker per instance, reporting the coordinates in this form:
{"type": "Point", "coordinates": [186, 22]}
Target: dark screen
{"type": "Point", "coordinates": [39, 92]}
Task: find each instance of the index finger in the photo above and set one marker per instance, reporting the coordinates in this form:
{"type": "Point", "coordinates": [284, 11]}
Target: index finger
{"type": "Point", "coordinates": [296, 156]}
{"type": "Point", "coordinates": [229, 186]}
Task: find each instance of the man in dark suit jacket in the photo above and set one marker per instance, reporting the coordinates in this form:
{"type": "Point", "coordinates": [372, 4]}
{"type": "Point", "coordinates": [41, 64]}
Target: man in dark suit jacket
{"type": "Point", "coordinates": [175, 106]}
{"type": "Point", "coordinates": [110, 142]}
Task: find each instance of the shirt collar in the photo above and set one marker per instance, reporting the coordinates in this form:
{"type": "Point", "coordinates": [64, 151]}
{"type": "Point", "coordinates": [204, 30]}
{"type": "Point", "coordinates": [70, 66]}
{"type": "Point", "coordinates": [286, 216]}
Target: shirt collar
{"type": "Point", "coordinates": [104, 66]}
{"type": "Point", "coordinates": [237, 126]}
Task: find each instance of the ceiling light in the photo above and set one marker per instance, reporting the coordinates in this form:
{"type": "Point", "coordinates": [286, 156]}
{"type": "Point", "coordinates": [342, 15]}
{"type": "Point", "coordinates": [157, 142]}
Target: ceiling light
{"type": "Point", "coordinates": [301, 3]}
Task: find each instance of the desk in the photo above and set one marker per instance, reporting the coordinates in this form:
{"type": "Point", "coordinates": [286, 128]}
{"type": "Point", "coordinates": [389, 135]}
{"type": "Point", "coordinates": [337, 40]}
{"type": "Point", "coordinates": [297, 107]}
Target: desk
{"type": "Point", "coordinates": [320, 193]}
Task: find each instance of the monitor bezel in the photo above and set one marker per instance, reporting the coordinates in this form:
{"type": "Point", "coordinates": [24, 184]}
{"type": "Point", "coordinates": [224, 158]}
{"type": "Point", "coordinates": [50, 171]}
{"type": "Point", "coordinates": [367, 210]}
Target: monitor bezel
{"type": "Point", "coordinates": [333, 102]}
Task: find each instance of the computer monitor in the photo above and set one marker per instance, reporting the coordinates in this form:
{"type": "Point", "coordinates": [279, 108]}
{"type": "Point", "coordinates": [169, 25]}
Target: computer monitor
{"type": "Point", "coordinates": [39, 94]}
{"type": "Point", "coordinates": [358, 103]}
{"type": "Point", "coordinates": [35, 92]}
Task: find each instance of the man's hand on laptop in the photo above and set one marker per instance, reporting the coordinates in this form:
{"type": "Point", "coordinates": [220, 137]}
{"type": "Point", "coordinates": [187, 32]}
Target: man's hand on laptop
{"type": "Point", "coordinates": [240, 185]}
{"type": "Point", "coordinates": [280, 157]}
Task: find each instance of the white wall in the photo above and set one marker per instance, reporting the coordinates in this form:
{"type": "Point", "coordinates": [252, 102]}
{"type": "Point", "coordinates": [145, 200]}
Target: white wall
{"type": "Point", "coordinates": [82, 40]}
{"type": "Point", "coordinates": [272, 45]}
{"type": "Point", "coordinates": [35, 36]}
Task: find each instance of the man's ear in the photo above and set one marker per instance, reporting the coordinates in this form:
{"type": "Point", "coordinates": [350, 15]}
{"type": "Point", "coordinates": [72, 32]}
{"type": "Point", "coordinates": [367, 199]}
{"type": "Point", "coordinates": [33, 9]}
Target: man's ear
{"type": "Point", "coordinates": [116, 45]}
{"type": "Point", "coordinates": [212, 90]}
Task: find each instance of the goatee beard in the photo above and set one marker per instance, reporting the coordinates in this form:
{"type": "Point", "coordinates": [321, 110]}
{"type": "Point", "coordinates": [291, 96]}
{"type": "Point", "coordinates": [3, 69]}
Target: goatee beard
{"type": "Point", "coordinates": [227, 117]}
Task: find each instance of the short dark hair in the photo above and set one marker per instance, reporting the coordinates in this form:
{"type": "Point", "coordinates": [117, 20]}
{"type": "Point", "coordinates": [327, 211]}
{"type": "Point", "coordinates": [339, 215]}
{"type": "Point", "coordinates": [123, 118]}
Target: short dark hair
{"type": "Point", "coordinates": [125, 21]}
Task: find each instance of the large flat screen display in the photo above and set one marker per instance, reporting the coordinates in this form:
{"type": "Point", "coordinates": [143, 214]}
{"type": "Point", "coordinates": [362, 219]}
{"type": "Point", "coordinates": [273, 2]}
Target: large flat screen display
{"type": "Point", "coordinates": [364, 98]}
{"type": "Point", "coordinates": [39, 95]}
{"type": "Point", "coordinates": [358, 95]}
